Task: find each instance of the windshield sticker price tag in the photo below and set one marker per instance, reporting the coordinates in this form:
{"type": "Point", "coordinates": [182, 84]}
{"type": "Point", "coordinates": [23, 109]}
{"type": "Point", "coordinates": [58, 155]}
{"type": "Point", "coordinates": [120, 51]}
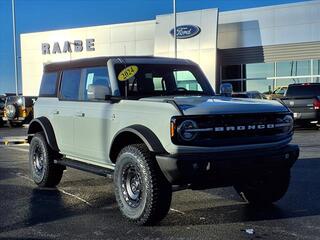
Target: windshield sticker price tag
{"type": "Point", "coordinates": [127, 73]}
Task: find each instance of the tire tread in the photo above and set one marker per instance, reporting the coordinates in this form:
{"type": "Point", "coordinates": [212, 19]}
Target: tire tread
{"type": "Point", "coordinates": [53, 175]}
{"type": "Point", "coordinates": [161, 191]}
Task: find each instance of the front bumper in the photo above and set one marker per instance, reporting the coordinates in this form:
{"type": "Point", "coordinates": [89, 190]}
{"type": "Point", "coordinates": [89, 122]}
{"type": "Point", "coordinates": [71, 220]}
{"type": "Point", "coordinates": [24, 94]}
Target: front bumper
{"type": "Point", "coordinates": [204, 170]}
{"type": "Point", "coordinates": [17, 119]}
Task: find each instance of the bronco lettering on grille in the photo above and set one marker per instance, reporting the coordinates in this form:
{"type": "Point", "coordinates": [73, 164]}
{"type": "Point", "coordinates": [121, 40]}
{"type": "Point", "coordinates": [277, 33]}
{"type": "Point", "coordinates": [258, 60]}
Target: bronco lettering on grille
{"type": "Point", "coordinates": [243, 127]}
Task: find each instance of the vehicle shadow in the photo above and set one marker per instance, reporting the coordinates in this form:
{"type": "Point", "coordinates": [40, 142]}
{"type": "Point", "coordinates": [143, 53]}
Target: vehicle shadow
{"type": "Point", "coordinates": [7, 173]}
{"type": "Point", "coordinates": [51, 209]}
{"type": "Point", "coordinates": [44, 205]}
{"type": "Point", "coordinates": [302, 199]}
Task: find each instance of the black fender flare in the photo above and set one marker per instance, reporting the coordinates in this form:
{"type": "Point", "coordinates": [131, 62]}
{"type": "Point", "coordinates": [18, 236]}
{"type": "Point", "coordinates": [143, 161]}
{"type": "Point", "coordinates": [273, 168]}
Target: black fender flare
{"type": "Point", "coordinates": [43, 124]}
{"type": "Point", "coordinates": [148, 137]}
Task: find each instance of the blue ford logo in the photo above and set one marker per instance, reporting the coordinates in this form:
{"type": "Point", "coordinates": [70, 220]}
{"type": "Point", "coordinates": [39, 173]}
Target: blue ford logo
{"type": "Point", "coordinates": [186, 31]}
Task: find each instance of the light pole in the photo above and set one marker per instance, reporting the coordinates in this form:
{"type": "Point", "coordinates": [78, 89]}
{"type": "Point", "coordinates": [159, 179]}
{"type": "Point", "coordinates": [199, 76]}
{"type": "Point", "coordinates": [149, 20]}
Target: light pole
{"type": "Point", "coordinates": [14, 45]}
{"type": "Point", "coordinates": [175, 28]}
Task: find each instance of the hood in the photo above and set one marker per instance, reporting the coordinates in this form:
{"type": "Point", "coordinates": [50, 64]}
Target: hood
{"type": "Point", "coordinates": [203, 105]}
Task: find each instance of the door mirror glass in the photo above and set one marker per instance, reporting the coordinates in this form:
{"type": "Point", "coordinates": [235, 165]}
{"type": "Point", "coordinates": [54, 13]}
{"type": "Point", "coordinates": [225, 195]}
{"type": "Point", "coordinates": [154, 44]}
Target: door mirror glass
{"type": "Point", "coordinates": [98, 92]}
{"type": "Point", "coordinates": [226, 89]}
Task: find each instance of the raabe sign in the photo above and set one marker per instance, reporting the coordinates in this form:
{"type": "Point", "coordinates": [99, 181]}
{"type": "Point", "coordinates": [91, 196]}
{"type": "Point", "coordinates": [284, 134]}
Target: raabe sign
{"type": "Point", "coordinates": [68, 47]}
{"type": "Point", "coordinates": [186, 31]}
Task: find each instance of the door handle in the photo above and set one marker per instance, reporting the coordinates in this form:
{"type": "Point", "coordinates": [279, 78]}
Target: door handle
{"type": "Point", "coordinates": [55, 112]}
{"type": "Point", "coordinates": [80, 114]}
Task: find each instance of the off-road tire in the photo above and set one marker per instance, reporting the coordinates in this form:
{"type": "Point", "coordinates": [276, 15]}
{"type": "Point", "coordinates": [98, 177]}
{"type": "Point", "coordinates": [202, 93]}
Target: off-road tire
{"type": "Point", "coordinates": [155, 191]}
{"type": "Point", "coordinates": [265, 190]}
{"type": "Point", "coordinates": [47, 174]}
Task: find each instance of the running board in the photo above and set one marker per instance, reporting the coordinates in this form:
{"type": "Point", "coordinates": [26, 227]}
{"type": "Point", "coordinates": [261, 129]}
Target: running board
{"type": "Point", "coordinates": [105, 172]}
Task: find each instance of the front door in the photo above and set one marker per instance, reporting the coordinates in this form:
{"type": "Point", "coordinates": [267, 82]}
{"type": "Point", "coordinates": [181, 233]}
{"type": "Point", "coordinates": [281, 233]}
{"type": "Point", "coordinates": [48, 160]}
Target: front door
{"type": "Point", "coordinates": [93, 118]}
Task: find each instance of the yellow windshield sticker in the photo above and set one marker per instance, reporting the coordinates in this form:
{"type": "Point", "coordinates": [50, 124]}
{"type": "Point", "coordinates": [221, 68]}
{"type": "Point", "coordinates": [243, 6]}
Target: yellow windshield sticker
{"type": "Point", "coordinates": [127, 73]}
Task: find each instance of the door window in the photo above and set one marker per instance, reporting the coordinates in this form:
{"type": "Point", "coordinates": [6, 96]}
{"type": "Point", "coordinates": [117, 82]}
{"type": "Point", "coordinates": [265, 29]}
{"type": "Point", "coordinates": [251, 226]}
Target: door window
{"type": "Point", "coordinates": [186, 80]}
{"type": "Point", "coordinates": [70, 84]}
{"type": "Point", "coordinates": [97, 76]}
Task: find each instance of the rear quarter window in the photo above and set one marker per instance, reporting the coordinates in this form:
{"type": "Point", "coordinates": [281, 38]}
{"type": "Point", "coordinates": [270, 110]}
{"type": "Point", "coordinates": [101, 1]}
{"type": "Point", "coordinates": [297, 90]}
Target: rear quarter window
{"type": "Point", "coordinates": [49, 85]}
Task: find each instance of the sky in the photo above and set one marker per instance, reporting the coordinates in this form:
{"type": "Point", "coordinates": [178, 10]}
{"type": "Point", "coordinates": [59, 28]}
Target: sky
{"type": "Point", "coordinates": [43, 15]}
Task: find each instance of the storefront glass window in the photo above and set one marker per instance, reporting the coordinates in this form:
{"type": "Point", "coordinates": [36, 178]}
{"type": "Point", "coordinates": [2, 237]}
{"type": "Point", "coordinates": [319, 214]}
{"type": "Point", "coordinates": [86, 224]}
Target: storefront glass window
{"type": "Point", "coordinates": [293, 68]}
{"type": "Point", "coordinates": [261, 76]}
{"type": "Point", "coordinates": [259, 70]}
{"type": "Point", "coordinates": [231, 72]}
{"type": "Point", "coordinates": [316, 67]}
{"type": "Point", "coordinates": [287, 81]}
{"type": "Point", "coordinates": [261, 85]}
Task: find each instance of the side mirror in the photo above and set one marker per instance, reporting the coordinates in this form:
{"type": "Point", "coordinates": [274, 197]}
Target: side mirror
{"type": "Point", "coordinates": [226, 89]}
{"type": "Point", "coordinates": [98, 92]}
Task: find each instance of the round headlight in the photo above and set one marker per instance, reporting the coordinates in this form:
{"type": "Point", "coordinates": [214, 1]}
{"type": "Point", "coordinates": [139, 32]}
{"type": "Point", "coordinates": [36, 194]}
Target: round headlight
{"type": "Point", "coordinates": [11, 111]}
{"type": "Point", "coordinates": [185, 130]}
{"type": "Point", "coordinates": [288, 120]}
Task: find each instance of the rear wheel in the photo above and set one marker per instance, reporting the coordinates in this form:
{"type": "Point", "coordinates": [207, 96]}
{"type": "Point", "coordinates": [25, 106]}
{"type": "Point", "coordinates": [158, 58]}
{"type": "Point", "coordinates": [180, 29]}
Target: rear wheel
{"type": "Point", "coordinates": [142, 192]}
{"type": "Point", "coordinates": [44, 171]}
{"type": "Point", "coordinates": [265, 190]}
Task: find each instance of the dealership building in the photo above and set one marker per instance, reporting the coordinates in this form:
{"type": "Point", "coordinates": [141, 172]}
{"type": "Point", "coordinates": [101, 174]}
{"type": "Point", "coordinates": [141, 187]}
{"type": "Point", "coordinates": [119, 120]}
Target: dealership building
{"type": "Point", "coordinates": [253, 49]}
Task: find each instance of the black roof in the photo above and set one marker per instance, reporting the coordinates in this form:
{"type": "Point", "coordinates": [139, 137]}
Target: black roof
{"type": "Point", "coordinates": [100, 61]}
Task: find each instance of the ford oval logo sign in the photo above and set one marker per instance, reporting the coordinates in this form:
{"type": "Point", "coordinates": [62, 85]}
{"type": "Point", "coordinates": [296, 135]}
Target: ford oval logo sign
{"type": "Point", "coordinates": [186, 31]}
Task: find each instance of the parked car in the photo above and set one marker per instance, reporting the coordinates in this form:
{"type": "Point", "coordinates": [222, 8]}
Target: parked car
{"type": "Point", "coordinates": [18, 110]}
{"type": "Point", "coordinates": [304, 101]}
{"type": "Point", "coordinates": [249, 94]}
{"type": "Point", "coordinates": [278, 93]}
{"type": "Point", "coordinates": [2, 105]}
{"type": "Point", "coordinates": [137, 120]}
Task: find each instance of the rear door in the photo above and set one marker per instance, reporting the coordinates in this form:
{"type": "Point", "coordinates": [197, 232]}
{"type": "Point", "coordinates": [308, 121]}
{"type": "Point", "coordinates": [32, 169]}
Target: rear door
{"type": "Point", "coordinates": [65, 111]}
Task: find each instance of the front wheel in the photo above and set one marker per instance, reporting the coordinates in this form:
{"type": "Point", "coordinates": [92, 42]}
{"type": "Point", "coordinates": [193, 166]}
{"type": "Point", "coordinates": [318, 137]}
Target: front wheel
{"type": "Point", "coordinates": [266, 189]}
{"type": "Point", "coordinates": [142, 192]}
{"type": "Point", "coordinates": [44, 172]}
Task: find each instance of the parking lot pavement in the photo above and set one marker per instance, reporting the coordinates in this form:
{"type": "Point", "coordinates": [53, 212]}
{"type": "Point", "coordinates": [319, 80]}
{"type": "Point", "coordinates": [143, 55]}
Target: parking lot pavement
{"type": "Point", "coordinates": [13, 135]}
{"type": "Point", "coordinates": [83, 206]}
{"type": "Point", "coordinates": [15, 131]}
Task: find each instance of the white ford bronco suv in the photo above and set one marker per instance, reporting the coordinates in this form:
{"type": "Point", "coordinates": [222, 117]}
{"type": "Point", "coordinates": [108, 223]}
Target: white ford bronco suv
{"type": "Point", "coordinates": [155, 125]}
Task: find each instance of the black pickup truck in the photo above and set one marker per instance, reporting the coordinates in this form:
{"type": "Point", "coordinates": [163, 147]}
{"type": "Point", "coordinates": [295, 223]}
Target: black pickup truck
{"type": "Point", "coordinates": [304, 101]}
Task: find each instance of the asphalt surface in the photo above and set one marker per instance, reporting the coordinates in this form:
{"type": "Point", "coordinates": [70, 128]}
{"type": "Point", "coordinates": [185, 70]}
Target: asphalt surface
{"type": "Point", "coordinates": [83, 206]}
{"type": "Point", "coordinates": [13, 132]}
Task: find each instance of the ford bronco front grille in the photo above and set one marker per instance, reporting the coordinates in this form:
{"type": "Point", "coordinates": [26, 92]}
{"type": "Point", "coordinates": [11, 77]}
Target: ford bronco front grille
{"type": "Point", "coordinates": [236, 129]}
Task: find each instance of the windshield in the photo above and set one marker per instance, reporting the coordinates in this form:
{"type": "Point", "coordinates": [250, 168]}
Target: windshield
{"type": "Point", "coordinates": [280, 90]}
{"type": "Point", "coordinates": [14, 100]}
{"type": "Point", "coordinates": [143, 80]}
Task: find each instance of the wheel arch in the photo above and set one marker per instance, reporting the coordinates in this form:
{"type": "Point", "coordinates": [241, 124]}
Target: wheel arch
{"type": "Point", "coordinates": [42, 124]}
{"type": "Point", "coordinates": [135, 134]}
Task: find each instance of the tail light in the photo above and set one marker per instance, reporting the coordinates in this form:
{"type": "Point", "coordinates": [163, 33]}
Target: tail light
{"type": "Point", "coordinates": [316, 103]}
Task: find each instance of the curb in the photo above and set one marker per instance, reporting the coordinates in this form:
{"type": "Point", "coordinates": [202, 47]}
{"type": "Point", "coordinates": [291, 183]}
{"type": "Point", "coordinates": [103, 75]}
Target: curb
{"type": "Point", "coordinates": [13, 140]}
